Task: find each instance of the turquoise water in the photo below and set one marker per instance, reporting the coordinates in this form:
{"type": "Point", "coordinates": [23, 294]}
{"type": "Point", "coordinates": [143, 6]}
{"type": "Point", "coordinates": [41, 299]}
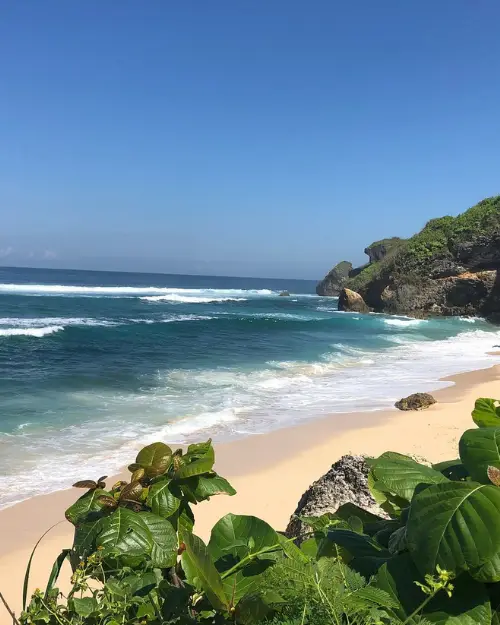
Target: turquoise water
{"type": "Point", "coordinates": [94, 364]}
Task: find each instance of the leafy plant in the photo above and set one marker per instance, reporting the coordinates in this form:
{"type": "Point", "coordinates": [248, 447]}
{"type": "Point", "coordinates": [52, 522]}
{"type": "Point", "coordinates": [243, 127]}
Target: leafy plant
{"type": "Point", "coordinates": [431, 556]}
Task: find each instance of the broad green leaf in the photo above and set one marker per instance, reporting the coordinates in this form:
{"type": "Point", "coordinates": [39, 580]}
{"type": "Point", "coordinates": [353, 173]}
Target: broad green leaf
{"type": "Point", "coordinates": [123, 532]}
{"type": "Point", "coordinates": [489, 572]}
{"type": "Point", "coordinates": [240, 535]}
{"type": "Point", "coordinates": [161, 500]}
{"type": "Point", "coordinates": [84, 542]}
{"type": "Point", "coordinates": [455, 525]}
{"type": "Point", "coordinates": [154, 459]}
{"type": "Point", "coordinates": [199, 459]}
{"type": "Point", "coordinates": [252, 610]}
{"type": "Point", "coordinates": [201, 572]}
{"type": "Point", "coordinates": [211, 485]}
{"type": "Point", "coordinates": [85, 606]}
{"type": "Point", "coordinates": [397, 541]}
{"type": "Point", "coordinates": [486, 413]}
{"type": "Point", "coordinates": [348, 510]}
{"type": "Point", "coordinates": [468, 605]}
{"type": "Point", "coordinates": [479, 449]}
{"type": "Point", "coordinates": [452, 469]}
{"type": "Point", "coordinates": [358, 545]}
{"type": "Point", "coordinates": [233, 538]}
{"type": "Point", "coordinates": [163, 539]}
{"type": "Point", "coordinates": [87, 505]}
{"type": "Point", "coordinates": [400, 475]}
{"type": "Point", "coordinates": [138, 534]}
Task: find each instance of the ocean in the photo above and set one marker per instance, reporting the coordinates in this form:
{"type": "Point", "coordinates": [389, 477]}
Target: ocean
{"type": "Point", "coordinates": [93, 365]}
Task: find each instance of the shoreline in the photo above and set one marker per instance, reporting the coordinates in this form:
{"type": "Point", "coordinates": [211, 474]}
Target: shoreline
{"type": "Point", "coordinates": [270, 472]}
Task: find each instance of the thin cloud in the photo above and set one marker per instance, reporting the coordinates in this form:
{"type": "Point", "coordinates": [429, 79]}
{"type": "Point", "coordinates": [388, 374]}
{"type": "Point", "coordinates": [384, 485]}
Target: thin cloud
{"type": "Point", "coordinates": [6, 251]}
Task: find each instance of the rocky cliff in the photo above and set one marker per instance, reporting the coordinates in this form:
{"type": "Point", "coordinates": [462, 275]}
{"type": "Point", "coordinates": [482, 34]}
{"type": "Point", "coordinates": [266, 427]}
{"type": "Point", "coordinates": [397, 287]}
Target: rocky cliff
{"type": "Point", "coordinates": [333, 282]}
{"type": "Point", "coordinates": [378, 251]}
{"type": "Point", "coordinates": [449, 268]}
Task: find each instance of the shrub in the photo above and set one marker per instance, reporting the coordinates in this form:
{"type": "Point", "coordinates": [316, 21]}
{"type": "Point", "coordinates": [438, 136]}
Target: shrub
{"type": "Point", "coordinates": [433, 558]}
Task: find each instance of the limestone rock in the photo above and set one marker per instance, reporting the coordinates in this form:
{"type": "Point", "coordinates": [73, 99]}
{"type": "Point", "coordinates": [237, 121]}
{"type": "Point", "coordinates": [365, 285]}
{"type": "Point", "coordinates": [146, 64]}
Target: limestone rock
{"type": "Point", "coordinates": [352, 302]}
{"type": "Point", "coordinates": [417, 401]}
{"type": "Point", "coordinates": [332, 283]}
{"type": "Point", "coordinates": [345, 482]}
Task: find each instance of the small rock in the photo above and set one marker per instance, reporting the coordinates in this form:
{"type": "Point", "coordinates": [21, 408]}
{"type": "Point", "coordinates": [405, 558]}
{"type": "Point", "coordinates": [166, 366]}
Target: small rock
{"type": "Point", "coordinates": [345, 482]}
{"type": "Point", "coordinates": [417, 401]}
{"type": "Point", "coordinates": [352, 302]}
{"type": "Point", "coordinates": [284, 294]}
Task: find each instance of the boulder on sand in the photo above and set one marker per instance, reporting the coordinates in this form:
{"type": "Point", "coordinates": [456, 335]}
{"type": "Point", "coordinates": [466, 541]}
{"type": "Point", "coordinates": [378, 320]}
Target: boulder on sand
{"type": "Point", "coordinates": [345, 482]}
{"type": "Point", "coordinates": [352, 302]}
{"type": "Point", "coordinates": [417, 401]}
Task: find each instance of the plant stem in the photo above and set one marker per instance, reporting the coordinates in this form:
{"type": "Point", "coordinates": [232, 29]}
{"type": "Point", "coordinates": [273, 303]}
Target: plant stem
{"type": "Point", "coordinates": [248, 557]}
{"type": "Point", "coordinates": [420, 607]}
{"type": "Point", "coordinates": [13, 616]}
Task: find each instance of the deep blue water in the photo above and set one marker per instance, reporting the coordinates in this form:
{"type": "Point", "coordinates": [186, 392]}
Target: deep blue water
{"type": "Point", "coordinates": [94, 364]}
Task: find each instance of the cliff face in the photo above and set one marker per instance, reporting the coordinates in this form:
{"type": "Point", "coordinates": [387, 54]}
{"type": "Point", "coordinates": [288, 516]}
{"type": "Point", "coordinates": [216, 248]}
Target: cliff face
{"type": "Point", "coordinates": [378, 251]}
{"type": "Point", "coordinates": [333, 282]}
{"type": "Point", "coordinates": [449, 268]}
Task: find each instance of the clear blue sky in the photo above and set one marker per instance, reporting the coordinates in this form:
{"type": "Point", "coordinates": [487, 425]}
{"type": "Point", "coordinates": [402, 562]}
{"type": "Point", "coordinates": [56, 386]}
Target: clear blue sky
{"type": "Point", "coordinates": [240, 137]}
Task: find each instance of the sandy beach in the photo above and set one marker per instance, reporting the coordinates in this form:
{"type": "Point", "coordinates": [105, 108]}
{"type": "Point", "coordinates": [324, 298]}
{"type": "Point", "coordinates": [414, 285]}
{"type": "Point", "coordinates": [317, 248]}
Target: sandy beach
{"type": "Point", "coordinates": [270, 472]}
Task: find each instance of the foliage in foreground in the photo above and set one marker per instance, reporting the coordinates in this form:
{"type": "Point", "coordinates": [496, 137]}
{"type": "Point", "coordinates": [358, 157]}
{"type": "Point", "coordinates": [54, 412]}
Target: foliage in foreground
{"type": "Point", "coordinates": [433, 558]}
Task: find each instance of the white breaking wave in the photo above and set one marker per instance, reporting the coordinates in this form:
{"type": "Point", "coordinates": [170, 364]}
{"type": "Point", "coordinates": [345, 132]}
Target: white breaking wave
{"type": "Point", "coordinates": [404, 322]}
{"type": "Point", "coordinates": [127, 291]}
{"type": "Point", "coordinates": [38, 322]}
{"type": "Point", "coordinates": [188, 299]}
{"type": "Point", "coordinates": [35, 332]}
{"type": "Point", "coordinates": [188, 404]}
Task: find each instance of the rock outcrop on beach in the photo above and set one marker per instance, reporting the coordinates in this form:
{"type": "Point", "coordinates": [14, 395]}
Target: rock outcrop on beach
{"type": "Point", "coordinates": [345, 482]}
{"type": "Point", "coordinates": [332, 283]}
{"type": "Point", "coordinates": [350, 301]}
{"type": "Point", "coordinates": [449, 268]}
{"type": "Point", "coordinates": [417, 401]}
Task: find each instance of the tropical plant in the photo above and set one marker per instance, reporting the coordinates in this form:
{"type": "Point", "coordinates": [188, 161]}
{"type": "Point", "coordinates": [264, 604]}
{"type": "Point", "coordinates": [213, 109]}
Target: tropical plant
{"type": "Point", "coordinates": [432, 555]}
{"type": "Point", "coordinates": [135, 558]}
{"type": "Point", "coordinates": [441, 534]}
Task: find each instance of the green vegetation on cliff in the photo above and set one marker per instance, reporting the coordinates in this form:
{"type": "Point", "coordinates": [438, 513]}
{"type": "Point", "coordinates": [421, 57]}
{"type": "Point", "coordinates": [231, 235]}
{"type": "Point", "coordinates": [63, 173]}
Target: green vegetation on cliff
{"type": "Point", "coordinates": [440, 239]}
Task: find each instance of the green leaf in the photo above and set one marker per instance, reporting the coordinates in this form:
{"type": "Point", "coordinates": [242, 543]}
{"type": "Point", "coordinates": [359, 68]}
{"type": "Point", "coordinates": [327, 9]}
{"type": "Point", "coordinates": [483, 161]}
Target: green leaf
{"type": "Point", "coordinates": [252, 610]}
{"type": "Point", "coordinates": [163, 539]}
{"type": "Point", "coordinates": [291, 550]}
{"type": "Point", "coordinates": [358, 545]}
{"type": "Point", "coordinates": [56, 569]}
{"type": "Point", "coordinates": [235, 537]}
{"type": "Point", "coordinates": [84, 540]}
{"type": "Point", "coordinates": [479, 449]}
{"type": "Point", "coordinates": [136, 534]}
{"type": "Point", "coordinates": [468, 605]}
{"type": "Point", "coordinates": [397, 541]}
{"type": "Point", "coordinates": [323, 523]}
{"type": "Point", "coordinates": [199, 459]}
{"type": "Point", "coordinates": [489, 572]}
{"type": "Point", "coordinates": [161, 500]}
{"type": "Point", "coordinates": [348, 510]}
{"type": "Point", "coordinates": [208, 486]}
{"type": "Point", "coordinates": [486, 413]}
{"type": "Point", "coordinates": [400, 475]}
{"type": "Point", "coordinates": [454, 525]}
{"type": "Point", "coordinates": [240, 535]}
{"type": "Point", "coordinates": [201, 572]}
{"type": "Point", "coordinates": [85, 606]}
{"type": "Point", "coordinates": [452, 469]}
{"type": "Point", "coordinates": [154, 459]}
{"type": "Point", "coordinates": [87, 505]}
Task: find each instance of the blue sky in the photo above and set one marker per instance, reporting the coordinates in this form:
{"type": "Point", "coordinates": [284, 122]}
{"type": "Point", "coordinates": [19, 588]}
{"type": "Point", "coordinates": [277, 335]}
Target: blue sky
{"type": "Point", "coordinates": [249, 137]}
